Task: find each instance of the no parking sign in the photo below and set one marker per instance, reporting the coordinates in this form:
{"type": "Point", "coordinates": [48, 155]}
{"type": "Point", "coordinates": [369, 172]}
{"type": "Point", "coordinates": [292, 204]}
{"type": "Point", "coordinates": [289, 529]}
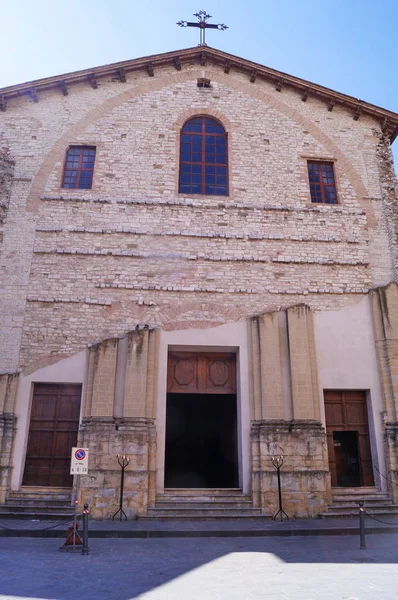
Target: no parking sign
{"type": "Point", "coordinates": [79, 461]}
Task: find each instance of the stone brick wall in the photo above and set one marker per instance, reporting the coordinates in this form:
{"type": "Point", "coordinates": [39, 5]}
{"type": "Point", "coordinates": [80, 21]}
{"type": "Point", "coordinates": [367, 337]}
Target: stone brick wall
{"type": "Point", "coordinates": [6, 175]}
{"type": "Point", "coordinates": [87, 265]}
{"type": "Point", "coordinates": [8, 388]}
{"type": "Point", "coordinates": [385, 323]}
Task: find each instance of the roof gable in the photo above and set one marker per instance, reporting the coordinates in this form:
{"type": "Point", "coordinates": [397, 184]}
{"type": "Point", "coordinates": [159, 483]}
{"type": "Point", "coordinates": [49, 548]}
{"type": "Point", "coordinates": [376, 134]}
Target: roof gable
{"type": "Point", "coordinates": [203, 54]}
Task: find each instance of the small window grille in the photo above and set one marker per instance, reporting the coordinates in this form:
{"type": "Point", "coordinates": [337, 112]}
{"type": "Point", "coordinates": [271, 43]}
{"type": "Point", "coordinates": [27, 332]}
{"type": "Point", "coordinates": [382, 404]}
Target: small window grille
{"type": "Point", "coordinates": [322, 182]}
{"type": "Point", "coordinates": [79, 168]}
{"type": "Point", "coordinates": [204, 83]}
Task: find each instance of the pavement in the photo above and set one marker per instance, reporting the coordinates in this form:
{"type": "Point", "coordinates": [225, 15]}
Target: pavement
{"type": "Point", "coordinates": [238, 568]}
{"type": "Point", "coordinates": [151, 528]}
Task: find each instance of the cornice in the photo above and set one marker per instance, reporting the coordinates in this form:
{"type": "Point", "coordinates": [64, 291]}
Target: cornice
{"type": "Point", "coordinates": [388, 119]}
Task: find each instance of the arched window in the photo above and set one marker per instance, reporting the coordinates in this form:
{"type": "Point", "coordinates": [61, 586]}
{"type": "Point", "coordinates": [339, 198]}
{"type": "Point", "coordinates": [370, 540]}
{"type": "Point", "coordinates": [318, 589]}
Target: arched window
{"type": "Point", "coordinates": [203, 158]}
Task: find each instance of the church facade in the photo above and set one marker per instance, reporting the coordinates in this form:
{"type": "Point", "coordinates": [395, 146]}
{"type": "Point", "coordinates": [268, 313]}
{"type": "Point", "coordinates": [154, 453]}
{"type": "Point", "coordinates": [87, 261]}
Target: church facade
{"type": "Point", "coordinates": [199, 269]}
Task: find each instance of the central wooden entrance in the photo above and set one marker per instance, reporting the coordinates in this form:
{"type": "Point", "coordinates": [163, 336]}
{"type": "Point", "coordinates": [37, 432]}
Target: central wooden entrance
{"type": "Point", "coordinates": [201, 421]}
{"type": "Point", "coordinates": [54, 424]}
{"type": "Point", "coordinates": [347, 428]}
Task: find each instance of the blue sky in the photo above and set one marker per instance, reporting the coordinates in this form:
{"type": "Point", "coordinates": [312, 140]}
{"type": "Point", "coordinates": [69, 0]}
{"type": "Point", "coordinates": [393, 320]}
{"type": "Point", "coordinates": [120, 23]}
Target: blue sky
{"type": "Point", "coordinates": [347, 45]}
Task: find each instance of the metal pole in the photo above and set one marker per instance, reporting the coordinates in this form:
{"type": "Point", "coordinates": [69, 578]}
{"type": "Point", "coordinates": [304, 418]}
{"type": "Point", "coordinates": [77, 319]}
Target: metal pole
{"type": "Point", "coordinates": [280, 492]}
{"type": "Point", "coordinates": [85, 530]}
{"type": "Point", "coordinates": [123, 461]}
{"type": "Point", "coordinates": [121, 493]}
{"type": "Point", "coordinates": [75, 515]}
{"type": "Point", "coordinates": [362, 544]}
{"type": "Point", "coordinates": [277, 462]}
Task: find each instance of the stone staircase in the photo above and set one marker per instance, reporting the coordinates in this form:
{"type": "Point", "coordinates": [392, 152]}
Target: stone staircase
{"type": "Point", "coordinates": [204, 504]}
{"type": "Point", "coordinates": [345, 503]}
{"type": "Point", "coordinates": [38, 503]}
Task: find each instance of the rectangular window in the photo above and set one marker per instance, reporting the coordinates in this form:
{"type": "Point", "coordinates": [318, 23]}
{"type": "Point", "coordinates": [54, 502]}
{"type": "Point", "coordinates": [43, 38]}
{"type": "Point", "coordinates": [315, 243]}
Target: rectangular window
{"type": "Point", "coordinates": [322, 183]}
{"type": "Point", "coordinates": [79, 168]}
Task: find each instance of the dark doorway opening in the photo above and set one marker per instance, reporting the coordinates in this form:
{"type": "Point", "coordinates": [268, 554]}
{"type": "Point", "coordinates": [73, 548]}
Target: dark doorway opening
{"type": "Point", "coordinates": [350, 457]}
{"type": "Point", "coordinates": [201, 441]}
{"type": "Point", "coordinates": [346, 452]}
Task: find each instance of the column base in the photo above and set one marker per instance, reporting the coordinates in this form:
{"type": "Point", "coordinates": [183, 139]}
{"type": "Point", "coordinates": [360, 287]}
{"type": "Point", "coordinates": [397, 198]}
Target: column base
{"type": "Point", "coordinates": [105, 438]}
{"type": "Point", "coordinates": [305, 477]}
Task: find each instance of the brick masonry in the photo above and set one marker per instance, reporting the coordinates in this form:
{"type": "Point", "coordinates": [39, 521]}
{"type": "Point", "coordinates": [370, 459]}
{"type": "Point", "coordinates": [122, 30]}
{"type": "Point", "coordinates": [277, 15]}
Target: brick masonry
{"type": "Point", "coordinates": [87, 265]}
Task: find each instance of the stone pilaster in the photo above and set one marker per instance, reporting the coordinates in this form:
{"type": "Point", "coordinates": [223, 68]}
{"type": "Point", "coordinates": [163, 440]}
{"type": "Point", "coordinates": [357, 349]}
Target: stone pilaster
{"type": "Point", "coordinates": [136, 375]}
{"type": "Point", "coordinates": [287, 413]}
{"type": "Point", "coordinates": [267, 378]}
{"type": "Point", "coordinates": [8, 389]}
{"type": "Point", "coordinates": [305, 393]}
{"type": "Point", "coordinates": [119, 420]}
{"type": "Point", "coordinates": [104, 379]}
{"type": "Point", "coordinates": [384, 305]}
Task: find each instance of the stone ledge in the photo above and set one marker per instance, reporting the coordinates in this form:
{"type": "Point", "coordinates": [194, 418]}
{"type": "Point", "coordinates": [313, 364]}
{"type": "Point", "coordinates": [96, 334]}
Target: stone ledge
{"type": "Point", "coordinates": [100, 302]}
{"type": "Point", "coordinates": [193, 234]}
{"type": "Point", "coordinates": [336, 208]}
{"type": "Point", "coordinates": [319, 261]}
{"type": "Point", "coordinates": [199, 256]}
{"type": "Point", "coordinates": [175, 288]}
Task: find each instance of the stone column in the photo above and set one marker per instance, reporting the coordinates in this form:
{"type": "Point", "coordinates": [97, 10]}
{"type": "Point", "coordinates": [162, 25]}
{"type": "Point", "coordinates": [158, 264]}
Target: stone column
{"type": "Point", "coordinates": [384, 306]}
{"type": "Point", "coordinates": [119, 419]}
{"type": "Point", "coordinates": [304, 371]}
{"type": "Point", "coordinates": [8, 390]}
{"type": "Point", "coordinates": [287, 413]}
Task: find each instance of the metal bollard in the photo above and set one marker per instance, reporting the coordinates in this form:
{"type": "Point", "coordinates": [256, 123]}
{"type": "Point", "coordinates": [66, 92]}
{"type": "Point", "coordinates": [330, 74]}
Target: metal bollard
{"type": "Point", "coordinates": [85, 530]}
{"type": "Point", "coordinates": [362, 544]}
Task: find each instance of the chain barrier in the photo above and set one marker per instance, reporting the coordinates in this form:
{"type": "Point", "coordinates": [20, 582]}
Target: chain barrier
{"type": "Point", "coordinates": [379, 520]}
{"type": "Point", "coordinates": [384, 477]}
{"type": "Point", "coordinates": [58, 524]}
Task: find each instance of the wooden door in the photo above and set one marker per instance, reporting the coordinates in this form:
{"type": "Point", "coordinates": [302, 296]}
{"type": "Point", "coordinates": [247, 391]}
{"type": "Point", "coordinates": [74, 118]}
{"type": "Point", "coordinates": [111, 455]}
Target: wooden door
{"type": "Point", "coordinates": [53, 431]}
{"type": "Point", "coordinates": [346, 411]}
{"type": "Point", "coordinates": [201, 373]}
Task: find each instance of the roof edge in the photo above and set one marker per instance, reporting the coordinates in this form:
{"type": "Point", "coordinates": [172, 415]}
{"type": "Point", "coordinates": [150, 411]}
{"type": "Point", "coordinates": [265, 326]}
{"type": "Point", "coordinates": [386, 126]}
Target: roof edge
{"type": "Point", "coordinates": [389, 119]}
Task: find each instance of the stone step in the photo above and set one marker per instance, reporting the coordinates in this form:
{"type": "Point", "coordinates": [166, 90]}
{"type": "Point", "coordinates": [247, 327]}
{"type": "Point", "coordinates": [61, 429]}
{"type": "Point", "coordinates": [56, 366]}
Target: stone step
{"type": "Point", "coordinates": [200, 513]}
{"type": "Point", "coordinates": [37, 502]}
{"type": "Point", "coordinates": [200, 491]}
{"type": "Point", "coordinates": [203, 506]}
{"type": "Point", "coordinates": [175, 497]}
{"type": "Point", "coordinates": [37, 515]}
{"type": "Point", "coordinates": [355, 505]}
{"type": "Point", "coordinates": [42, 507]}
{"type": "Point", "coordinates": [47, 496]}
{"type": "Point", "coordinates": [343, 491]}
{"type": "Point", "coordinates": [358, 497]}
{"type": "Point", "coordinates": [352, 512]}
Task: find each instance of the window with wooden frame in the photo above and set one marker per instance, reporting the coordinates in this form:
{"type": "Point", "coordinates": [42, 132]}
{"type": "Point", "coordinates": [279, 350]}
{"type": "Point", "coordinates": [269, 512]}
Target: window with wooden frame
{"type": "Point", "coordinates": [322, 182]}
{"type": "Point", "coordinates": [79, 167]}
{"type": "Point", "coordinates": [203, 158]}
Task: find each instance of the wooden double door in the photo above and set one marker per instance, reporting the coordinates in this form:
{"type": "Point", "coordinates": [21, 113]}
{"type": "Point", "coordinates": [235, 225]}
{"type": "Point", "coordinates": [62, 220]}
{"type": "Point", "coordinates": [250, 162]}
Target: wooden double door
{"type": "Point", "coordinates": [54, 424]}
{"type": "Point", "coordinates": [347, 427]}
{"type": "Point", "coordinates": [201, 421]}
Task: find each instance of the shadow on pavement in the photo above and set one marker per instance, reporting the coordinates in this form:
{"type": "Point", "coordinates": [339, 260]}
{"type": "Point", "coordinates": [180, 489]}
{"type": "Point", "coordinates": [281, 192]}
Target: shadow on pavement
{"type": "Point", "coordinates": [126, 568]}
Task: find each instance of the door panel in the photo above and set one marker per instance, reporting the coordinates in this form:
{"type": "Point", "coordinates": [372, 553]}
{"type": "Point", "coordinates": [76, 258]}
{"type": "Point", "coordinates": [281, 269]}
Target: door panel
{"type": "Point", "coordinates": [346, 411]}
{"type": "Point", "coordinates": [53, 431]}
{"type": "Point", "coordinates": [201, 373]}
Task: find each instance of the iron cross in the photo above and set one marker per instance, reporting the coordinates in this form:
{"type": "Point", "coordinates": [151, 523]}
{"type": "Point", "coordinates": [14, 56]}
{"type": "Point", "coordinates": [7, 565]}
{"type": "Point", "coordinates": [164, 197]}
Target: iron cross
{"type": "Point", "coordinates": [202, 23]}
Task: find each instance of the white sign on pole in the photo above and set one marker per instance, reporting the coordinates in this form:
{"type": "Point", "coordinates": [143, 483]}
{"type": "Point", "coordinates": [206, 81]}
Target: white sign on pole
{"type": "Point", "coordinates": [79, 461]}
